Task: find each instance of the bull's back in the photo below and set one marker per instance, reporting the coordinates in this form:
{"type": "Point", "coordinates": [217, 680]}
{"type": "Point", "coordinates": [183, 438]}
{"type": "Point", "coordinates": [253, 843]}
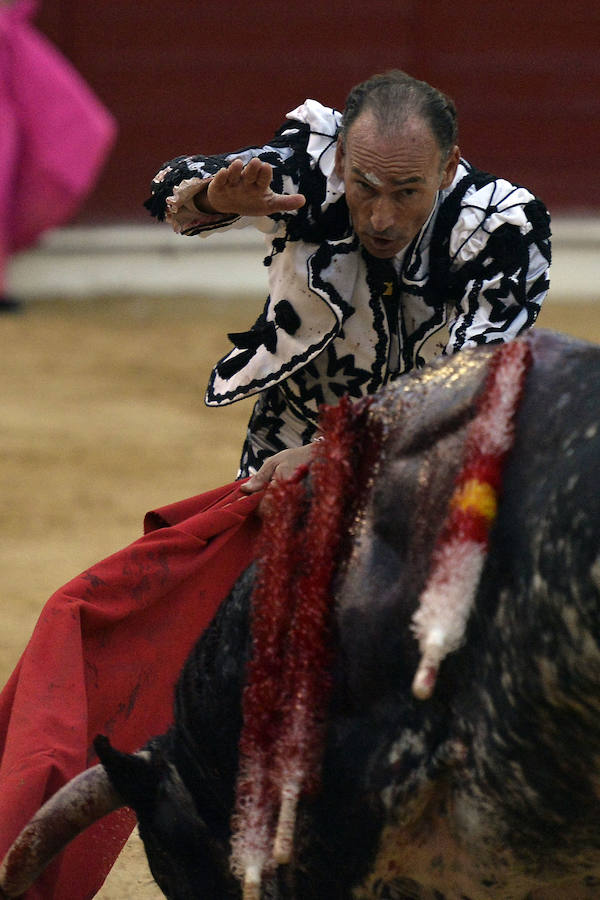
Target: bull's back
{"type": "Point", "coordinates": [490, 789]}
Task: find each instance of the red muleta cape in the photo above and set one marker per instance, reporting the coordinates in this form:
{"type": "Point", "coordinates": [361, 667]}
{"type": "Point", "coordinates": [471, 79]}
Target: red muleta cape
{"type": "Point", "coordinates": [104, 658]}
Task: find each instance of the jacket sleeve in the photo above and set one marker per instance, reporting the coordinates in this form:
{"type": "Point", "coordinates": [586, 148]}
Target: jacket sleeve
{"type": "Point", "coordinates": [499, 263]}
{"type": "Point", "coordinates": [175, 185]}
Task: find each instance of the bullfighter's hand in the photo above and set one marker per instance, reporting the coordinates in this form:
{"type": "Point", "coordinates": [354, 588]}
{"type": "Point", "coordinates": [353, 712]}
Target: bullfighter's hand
{"type": "Point", "coordinates": [281, 465]}
{"type": "Point", "coordinates": [246, 191]}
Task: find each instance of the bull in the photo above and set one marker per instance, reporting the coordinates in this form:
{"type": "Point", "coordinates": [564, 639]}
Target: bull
{"type": "Point", "coordinates": [490, 787]}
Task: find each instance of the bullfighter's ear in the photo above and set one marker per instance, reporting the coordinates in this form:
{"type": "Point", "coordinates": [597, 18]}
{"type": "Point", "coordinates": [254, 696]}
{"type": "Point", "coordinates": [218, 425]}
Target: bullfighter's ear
{"type": "Point", "coordinates": [135, 776]}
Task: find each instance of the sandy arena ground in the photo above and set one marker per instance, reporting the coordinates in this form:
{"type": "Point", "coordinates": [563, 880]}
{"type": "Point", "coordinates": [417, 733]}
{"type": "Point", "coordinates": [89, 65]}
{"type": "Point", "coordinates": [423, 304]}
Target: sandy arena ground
{"type": "Point", "coordinates": [102, 419]}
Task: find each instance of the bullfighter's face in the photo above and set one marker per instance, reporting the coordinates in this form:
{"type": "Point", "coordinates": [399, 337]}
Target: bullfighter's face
{"type": "Point", "coordinates": [391, 181]}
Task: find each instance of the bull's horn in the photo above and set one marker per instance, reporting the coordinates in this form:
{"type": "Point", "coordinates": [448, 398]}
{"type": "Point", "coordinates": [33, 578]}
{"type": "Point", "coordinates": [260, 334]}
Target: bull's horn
{"type": "Point", "coordinates": [78, 804]}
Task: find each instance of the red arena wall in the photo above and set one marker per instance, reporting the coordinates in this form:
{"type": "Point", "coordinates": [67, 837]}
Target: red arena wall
{"type": "Point", "coordinates": [185, 77]}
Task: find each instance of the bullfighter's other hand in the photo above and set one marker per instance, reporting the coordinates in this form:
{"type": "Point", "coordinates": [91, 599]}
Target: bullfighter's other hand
{"type": "Point", "coordinates": [245, 190]}
{"type": "Point", "coordinates": [280, 465]}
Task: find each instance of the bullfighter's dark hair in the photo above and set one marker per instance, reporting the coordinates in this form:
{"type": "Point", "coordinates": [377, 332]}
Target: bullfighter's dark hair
{"type": "Point", "coordinates": [393, 96]}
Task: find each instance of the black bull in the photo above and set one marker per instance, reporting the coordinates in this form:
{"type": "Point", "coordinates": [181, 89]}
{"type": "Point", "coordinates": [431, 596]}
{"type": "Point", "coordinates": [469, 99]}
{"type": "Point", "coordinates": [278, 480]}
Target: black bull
{"type": "Point", "coordinates": [491, 788]}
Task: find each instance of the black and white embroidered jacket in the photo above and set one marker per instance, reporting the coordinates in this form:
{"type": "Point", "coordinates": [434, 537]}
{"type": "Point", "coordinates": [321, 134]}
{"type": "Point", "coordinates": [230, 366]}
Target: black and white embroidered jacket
{"type": "Point", "coordinates": [339, 321]}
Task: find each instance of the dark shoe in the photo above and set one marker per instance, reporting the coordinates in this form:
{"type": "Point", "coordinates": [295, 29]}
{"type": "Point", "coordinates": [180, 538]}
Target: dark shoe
{"type": "Point", "coordinates": [10, 305]}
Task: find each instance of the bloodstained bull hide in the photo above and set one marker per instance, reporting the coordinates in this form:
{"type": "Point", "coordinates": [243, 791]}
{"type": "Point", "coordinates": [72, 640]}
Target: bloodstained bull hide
{"type": "Point", "coordinates": [489, 788]}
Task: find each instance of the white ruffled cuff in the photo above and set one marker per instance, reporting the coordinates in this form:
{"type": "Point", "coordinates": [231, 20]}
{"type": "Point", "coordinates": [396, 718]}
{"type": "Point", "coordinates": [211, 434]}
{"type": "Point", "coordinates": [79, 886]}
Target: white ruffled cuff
{"type": "Point", "coordinates": [181, 211]}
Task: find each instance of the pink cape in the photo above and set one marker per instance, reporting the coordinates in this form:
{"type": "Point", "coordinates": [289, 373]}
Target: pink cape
{"type": "Point", "coordinates": [104, 658]}
{"type": "Point", "coordinates": [54, 137]}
